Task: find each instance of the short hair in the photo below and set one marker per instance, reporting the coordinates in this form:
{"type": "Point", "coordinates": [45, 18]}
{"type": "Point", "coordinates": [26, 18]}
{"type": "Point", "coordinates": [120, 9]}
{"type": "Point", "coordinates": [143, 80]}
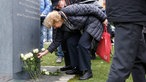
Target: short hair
{"type": "Point", "coordinates": [51, 19]}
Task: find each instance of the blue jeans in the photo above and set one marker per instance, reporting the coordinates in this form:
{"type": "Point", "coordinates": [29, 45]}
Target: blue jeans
{"type": "Point", "coordinates": [60, 52]}
{"type": "Point", "coordinates": [49, 34]}
{"type": "Point", "coordinates": [43, 36]}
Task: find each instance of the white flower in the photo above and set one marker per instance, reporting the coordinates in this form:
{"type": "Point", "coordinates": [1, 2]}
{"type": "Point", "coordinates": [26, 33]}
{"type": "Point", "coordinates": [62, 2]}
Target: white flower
{"type": "Point", "coordinates": [44, 70]}
{"type": "Point", "coordinates": [29, 55]}
{"type": "Point", "coordinates": [25, 58]}
{"type": "Point", "coordinates": [47, 73]}
{"type": "Point", "coordinates": [31, 58]}
{"type": "Point", "coordinates": [22, 55]}
{"type": "Point", "coordinates": [43, 49]}
{"type": "Point", "coordinates": [36, 51]}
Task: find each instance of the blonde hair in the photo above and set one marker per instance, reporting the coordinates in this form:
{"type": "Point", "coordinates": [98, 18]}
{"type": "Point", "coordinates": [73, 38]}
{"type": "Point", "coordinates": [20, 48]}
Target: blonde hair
{"type": "Point", "coordinates": [52, 18]}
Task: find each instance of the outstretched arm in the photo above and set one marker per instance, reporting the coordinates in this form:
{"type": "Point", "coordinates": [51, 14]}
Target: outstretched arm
{"type": "Point", "coordinates": [84, 10]}
{"type": "Point", "coordinates": [57, 38]}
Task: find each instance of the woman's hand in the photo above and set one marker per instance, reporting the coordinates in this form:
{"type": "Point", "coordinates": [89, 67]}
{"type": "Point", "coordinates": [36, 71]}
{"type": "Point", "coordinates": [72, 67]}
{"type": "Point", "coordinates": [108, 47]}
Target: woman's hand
{"type": "Point", "coordinates": [105, 22]}
{"type": "Point", "coordinates": [42, 53]}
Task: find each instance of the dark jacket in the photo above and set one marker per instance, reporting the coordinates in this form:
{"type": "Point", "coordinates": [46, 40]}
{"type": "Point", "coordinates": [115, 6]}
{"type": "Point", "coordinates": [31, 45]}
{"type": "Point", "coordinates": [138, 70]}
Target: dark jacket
{"type": "Point", "coordinates": [81, 16]}
{"type": "Point", "coordinates": [69, 2]}
{"type": "Point", "coordinates": [59, 36]}
{"type": "Point", "coordinates": [126, 10]}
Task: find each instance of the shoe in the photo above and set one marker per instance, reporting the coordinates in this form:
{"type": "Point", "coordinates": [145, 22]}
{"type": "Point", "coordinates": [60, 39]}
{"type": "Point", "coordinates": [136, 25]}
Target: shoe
{"type": "Point", "coordinates": [59, 60]}
{"type": "Point", "coordinates": [86, 75]}
{"type": "Point", "coordinates": [73, 71]}
{"type": "Point", "coordinates": [65, 68]}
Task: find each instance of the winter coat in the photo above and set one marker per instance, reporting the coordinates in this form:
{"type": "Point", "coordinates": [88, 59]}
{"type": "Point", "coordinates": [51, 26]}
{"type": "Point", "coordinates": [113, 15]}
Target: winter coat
{"type": "Point", "coordinates": [45, 6]}
{"type": "Point", "coordinates": [126, 10]}
{"type": "Point", "coordinates": [86, 16]}
{"type": "Point", "coordinates": [82, 16]}
{"type": "Point", "coordinates": [68, 2]}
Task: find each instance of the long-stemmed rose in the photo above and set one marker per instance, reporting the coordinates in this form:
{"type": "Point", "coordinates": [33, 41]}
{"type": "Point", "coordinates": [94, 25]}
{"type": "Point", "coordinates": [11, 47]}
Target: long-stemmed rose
{"type": "Point", "coordinates": [31, 63]}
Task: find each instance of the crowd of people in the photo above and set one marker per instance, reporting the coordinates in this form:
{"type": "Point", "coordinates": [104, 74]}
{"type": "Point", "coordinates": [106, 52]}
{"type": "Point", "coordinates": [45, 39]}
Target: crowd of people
{"type": "Point", "coordinates": [75, 23]}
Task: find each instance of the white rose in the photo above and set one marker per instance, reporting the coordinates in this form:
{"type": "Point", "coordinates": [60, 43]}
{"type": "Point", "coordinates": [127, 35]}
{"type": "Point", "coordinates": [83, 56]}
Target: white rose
{"type": "Point", "coordinates": [30, 54]}
{"type": "Point", "coordinates": [47, 73]}
{"type": "Point", "coordinates": [31, 58]}
{"type": "Point", "coordinates": [44, 70]}
{"type": "Point", "coordinates": [36, 51]}
{"type": "Point", "coordinates": [25, 58]}
{"type": "Point", "coordinates": [26, 55]}
{"type": "Point", "coordinates": [22, 55]}
{"type": "Point", "coordinates": [43, 49]}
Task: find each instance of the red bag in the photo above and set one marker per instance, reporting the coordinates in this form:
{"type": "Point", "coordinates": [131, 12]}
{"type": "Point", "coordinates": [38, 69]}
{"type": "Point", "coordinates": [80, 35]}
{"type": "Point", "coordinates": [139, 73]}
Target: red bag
{"type": "Point", "coordinates": [104, 46]}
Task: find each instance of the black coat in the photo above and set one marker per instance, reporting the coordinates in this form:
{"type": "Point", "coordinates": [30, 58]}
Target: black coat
{"type": "Point", "coordinates": [126, 10]}
{"type": "Point", "coordinates": [82, 16]}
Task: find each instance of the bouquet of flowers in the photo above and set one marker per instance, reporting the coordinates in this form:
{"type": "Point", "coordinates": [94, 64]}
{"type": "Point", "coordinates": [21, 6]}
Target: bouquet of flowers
{"type": "Point", "coordinates": [31, 63]}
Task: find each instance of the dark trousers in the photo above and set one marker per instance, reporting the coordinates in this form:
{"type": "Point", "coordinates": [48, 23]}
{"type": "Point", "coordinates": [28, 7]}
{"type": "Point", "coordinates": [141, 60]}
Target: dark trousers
{"type": "Point", "coordinates": [129, 46]}
{"type": "Point", "coordinates": [139, 69]}
{"type": "Point", "coordinates": [69, 46]}
{"type": "Point", "coordinates": [72, 43]}
{"type": "Point", "coordinates": [138, 72]}
{"type": "Point", "coordinates": [84, 46]}
{"type": "Point", "coordinates": [66, 53]}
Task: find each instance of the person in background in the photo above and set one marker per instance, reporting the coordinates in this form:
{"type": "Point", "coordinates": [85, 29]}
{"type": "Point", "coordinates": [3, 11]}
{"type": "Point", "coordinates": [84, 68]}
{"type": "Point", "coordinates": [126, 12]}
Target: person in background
{"type": "Point", "coordinates": [129, 18]}
{"type": "Point", "coordinates": [62, 50]}
{"type": "Point", "coordinates": [49, 35]}
{"type": "Point", "coordinates": [59, 54]}
{"type": "Point", "coordinates": [45, 8]}
{"type": "Point", "coordinates": [69, 38]}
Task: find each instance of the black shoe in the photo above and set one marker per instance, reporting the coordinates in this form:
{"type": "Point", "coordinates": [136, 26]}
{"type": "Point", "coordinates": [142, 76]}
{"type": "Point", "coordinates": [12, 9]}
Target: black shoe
{"type": "Point", "coordinates": [73, 71]}
{"type": "Point", "coordinates": [65, 68]}
{"type": "Point", "coordinates": [93, 57]}
{"type": "Point", "coordinates": [86, 75]}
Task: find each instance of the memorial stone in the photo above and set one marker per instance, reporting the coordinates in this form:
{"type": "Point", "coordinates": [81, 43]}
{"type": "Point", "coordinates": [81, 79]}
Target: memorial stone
{"type": "Point", "coordinates": [19, 33]}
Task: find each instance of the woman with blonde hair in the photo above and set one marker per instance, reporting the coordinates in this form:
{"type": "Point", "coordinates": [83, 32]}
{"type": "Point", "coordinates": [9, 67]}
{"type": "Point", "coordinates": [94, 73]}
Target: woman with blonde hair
{"type": "Point", "coordinates": [86, 17]}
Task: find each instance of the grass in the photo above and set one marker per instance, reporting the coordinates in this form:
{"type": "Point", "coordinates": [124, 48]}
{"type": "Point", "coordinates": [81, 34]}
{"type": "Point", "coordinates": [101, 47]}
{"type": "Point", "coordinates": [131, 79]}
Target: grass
{"type": "Point", "coordinates": [50, 60]}
{"type": "Point", "coordinates": [100, 69]}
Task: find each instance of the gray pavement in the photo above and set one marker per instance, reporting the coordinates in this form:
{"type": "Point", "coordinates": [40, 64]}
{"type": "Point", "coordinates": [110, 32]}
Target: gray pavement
{"type": "Point", "coordinates": [62, 77]}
